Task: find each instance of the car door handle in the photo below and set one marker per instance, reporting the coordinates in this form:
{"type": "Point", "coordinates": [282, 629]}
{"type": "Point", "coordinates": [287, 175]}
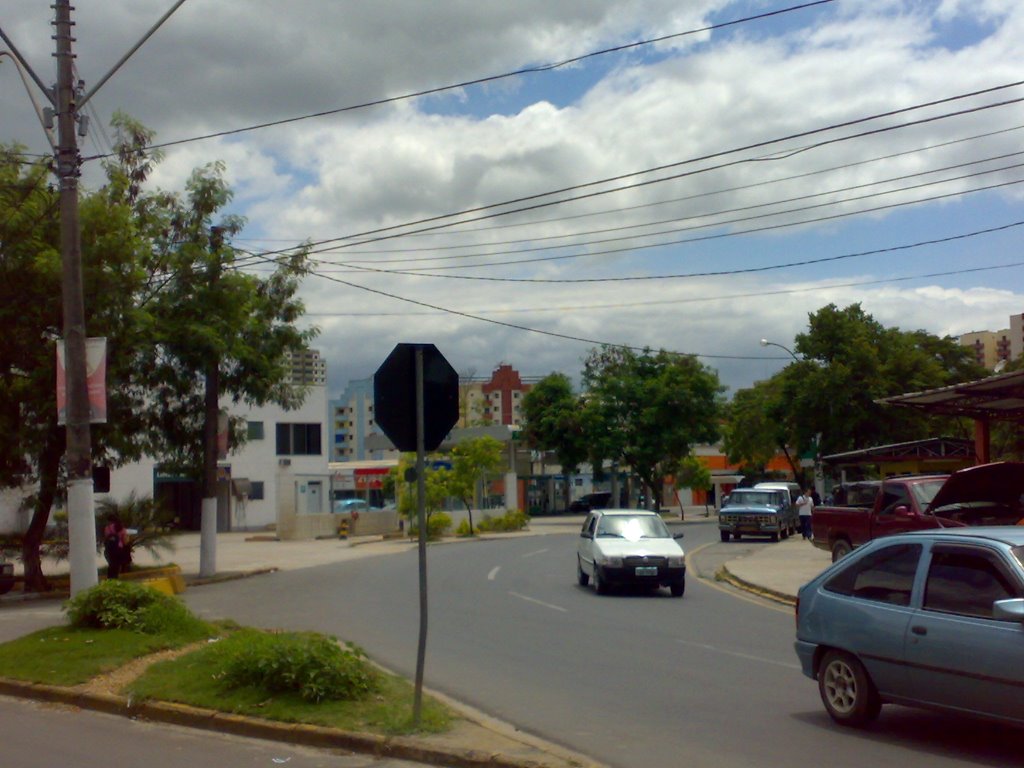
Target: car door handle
{"type": "Point", "coordinates": [919, 630]}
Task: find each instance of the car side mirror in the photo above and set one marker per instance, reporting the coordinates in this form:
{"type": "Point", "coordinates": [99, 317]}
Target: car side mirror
{"type": "Point", "coordinates": [678, 535]}
{"type": "Point", "coordinates": [1009, 610]}
{"type": "Point", "coordinates": [902, 511]}
{"type": "Point", "coordinates": [586, 535]}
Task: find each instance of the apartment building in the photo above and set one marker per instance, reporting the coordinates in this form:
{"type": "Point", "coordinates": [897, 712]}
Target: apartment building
{"type": "Point", "coordinates": [495, 400]}
{"type": "Point", "coordinates": [352, 421]}
{"type": "Point", "coordinates": [989, 347]}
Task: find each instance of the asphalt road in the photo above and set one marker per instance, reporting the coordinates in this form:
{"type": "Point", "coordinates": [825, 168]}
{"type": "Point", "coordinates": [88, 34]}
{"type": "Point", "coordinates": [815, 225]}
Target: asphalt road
{"type": "Point", "coordinates": [630, 679]}
{"type": "Point", "coordinates": [44, 736]}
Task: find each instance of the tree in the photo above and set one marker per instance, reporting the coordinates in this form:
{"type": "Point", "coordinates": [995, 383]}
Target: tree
{"type": "Point", "coordinates": [472, 461]}
{"type": "Point", "coordinates": [753, 432]}
{"type": "Point", "coordinates": [647, 410]}
{"type": "Point", "coordinates": [147, 258]}
{"type": "Point", "coordinates": [693, 473]}
{"type": "Point", "coordinates": [555, 422]}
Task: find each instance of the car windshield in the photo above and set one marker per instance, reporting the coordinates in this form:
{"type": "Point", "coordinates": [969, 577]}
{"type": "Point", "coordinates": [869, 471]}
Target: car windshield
{"type": "Point", "coordinates": [925, 491]}
{"type": "Point", "coordinates": [752, 498]}
{"type": "Point", "coordinates": [633, 527]}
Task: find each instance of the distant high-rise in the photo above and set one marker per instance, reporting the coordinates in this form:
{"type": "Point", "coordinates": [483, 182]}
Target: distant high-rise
{"type": "Point", "coordinates": [308, 368]}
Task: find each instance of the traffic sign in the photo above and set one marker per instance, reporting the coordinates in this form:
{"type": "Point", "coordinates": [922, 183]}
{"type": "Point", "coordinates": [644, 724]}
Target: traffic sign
{"type": "Point", "coordinates": [394, 396]}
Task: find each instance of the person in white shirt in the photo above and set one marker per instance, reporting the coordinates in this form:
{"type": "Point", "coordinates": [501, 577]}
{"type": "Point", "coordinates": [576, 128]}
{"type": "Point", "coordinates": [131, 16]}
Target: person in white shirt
{"type": "Point", "coordinates": [805, 506]}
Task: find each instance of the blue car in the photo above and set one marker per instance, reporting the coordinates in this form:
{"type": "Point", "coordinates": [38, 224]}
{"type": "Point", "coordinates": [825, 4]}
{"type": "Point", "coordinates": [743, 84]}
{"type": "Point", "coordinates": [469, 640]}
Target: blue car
{"type": "Point", "coordinates": [931, 619]}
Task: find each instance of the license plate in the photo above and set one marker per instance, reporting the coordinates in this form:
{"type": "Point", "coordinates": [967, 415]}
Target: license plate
{"type": "Point", "coordinates": [647, 570]}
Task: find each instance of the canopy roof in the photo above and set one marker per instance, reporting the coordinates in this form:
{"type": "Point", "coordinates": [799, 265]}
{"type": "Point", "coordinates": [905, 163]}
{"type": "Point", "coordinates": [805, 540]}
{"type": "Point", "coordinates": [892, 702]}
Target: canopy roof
{"type": "Point", "coordinates": [999, 397]}
{"type": "Point", "coordinates": [935, 449]}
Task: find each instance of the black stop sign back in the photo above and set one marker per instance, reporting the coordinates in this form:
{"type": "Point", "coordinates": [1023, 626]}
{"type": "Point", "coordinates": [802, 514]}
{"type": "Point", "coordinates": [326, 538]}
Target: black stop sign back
{"type": "Point", "coordinates": [394, 395]}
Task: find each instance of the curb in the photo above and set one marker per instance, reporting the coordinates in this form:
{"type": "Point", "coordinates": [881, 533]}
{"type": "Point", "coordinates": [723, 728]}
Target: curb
{"type": "Point", "coordinates": [724, 574]}
{"type": "Point", "coordinates": [398, 747]}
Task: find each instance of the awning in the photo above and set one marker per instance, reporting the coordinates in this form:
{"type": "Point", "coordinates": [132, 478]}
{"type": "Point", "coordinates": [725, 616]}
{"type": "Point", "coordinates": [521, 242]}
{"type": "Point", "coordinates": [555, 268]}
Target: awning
{"type": "Point", "coordinates": [999, 397]}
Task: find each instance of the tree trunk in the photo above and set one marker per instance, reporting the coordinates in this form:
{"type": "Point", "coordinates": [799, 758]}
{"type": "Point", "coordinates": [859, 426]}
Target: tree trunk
{"type": "Point", "coordinates": [49, 467]}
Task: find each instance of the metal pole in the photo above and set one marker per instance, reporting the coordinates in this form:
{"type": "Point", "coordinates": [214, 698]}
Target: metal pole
{"type": "Point", "coordinates": [421, 516]}
{"type": "Point", "coordinates": [81, 518]}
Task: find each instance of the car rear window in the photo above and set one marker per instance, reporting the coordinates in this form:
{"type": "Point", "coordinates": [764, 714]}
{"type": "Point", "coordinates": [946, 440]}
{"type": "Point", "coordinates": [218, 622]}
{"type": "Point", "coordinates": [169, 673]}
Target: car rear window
{"type": "Point", "coordinates": [885, 575]}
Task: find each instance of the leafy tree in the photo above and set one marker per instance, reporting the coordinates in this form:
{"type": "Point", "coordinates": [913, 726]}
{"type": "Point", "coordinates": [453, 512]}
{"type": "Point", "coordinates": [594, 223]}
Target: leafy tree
{"type": "Point", "coordinates": [753, 434]}
{"type": "Point", "coordinates": [147, 259]}
{"type": "Point", "coordinates": [436, 482]}
{"type": "Point", "coordinates": [472, 461]}
{"type": "Point", "coordinates": [555, 422]}
{"type": "Point", "coordinates": [693, 473]}
{"type": "Point", "coordinates": [649, 409]}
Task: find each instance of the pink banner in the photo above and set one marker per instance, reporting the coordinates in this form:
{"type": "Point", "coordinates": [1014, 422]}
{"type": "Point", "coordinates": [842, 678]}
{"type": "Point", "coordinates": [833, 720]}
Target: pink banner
{"type": "Point", "coordinates": [96, 381]}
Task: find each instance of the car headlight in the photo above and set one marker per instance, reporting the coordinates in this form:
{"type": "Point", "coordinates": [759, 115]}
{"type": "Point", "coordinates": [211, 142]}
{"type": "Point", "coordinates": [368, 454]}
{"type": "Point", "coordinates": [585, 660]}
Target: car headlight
{"type": "Point", "coordinates": [608, 561]}
{"type": "Point", "coordinates": [676, 561]}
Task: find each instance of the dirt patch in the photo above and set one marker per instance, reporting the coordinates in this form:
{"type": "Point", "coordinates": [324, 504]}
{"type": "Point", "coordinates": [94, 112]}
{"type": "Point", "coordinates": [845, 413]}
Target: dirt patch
{"type": "Point", "coordinates": [114, 682]}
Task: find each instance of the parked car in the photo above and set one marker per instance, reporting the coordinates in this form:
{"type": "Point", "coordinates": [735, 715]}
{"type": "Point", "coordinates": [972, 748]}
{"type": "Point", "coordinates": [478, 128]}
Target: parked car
{"type": "Point", "coordinates": [589, 501]}
{"type": "Point", "coordinates": [757, 512]}
{"type": "Point", "coordinates": [930, 619]}
{"type": "Point", "coordinates": [989, 494]}
{"type": "Point", "coordinates": [629, 547]}
{"type": "Point", "coordinates": [348, 506]}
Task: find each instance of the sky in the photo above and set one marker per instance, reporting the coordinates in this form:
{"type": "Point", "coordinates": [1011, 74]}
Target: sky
{"type": "Point", "coordinates": [694, 176]}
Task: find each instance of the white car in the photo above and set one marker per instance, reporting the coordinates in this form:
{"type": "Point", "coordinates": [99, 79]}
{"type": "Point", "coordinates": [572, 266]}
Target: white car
{"type": "Point", "coordinates": [629, 547]}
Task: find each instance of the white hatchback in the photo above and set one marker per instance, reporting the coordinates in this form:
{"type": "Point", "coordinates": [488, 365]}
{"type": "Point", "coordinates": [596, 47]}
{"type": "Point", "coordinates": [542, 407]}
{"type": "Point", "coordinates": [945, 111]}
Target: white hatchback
{"type": "Point", "coordinates": [629, 547]}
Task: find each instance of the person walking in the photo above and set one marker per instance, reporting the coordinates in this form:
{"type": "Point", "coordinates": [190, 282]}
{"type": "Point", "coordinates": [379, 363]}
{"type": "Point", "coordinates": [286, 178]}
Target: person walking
{"type": "Point", "coordinates": [805, 506]}
{"type": "Point", "coordinates": [115, 546]}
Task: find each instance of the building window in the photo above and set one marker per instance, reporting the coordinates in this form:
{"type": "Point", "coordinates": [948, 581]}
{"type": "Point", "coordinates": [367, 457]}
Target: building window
{"type": "Point", "coordinates": [298, 440]}
{"type": "Point", "coordinates": [254, 430]}
{"type": "Point", "coordinates": [256, 490]}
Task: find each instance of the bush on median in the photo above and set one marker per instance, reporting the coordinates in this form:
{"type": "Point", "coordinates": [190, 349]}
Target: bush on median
{"type": "Point", "coordinates": [115, 604]}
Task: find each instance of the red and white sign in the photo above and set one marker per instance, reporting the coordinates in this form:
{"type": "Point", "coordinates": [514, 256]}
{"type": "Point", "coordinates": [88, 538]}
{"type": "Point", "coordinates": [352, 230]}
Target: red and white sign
{"type": "Point", "coordinates": [96, 380]}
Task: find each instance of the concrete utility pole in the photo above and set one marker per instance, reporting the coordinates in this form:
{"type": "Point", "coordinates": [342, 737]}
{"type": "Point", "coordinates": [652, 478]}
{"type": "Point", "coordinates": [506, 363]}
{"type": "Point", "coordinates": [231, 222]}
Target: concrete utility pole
{"type": "Point", "coordinates": [68, 100]}
{"type": "Point", "coordinates": [208, 519]}
{"type": "Point", "coordinates": [81, 518]}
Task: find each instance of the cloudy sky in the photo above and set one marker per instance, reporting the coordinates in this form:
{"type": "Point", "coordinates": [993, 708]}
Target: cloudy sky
{"type": "Point", "coordinates": [694, 176]}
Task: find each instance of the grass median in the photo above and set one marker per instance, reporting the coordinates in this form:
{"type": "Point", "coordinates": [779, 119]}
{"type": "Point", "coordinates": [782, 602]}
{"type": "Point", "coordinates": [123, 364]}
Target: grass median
{"type": "Point", "coordinates": [293, 677]}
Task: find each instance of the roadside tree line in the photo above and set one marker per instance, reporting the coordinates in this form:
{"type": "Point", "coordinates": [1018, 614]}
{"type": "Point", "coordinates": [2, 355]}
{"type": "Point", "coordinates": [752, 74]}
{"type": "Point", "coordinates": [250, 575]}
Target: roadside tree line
{"type": "Point", "coordinates": [164, 285]}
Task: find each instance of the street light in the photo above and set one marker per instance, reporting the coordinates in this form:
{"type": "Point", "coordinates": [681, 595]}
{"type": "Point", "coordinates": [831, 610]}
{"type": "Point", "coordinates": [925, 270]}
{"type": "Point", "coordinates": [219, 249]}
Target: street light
{"type": "Point", "coordinates": [766, 343]}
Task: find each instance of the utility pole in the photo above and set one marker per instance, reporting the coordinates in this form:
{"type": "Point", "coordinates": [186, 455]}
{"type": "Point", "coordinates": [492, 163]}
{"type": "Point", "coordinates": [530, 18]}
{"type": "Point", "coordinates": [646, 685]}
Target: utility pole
{"type": "Point", "coordinates": [68, 99]}
{"type": "Point", "coordinates": [208, 519]}
{"type": "Point", "coordinates": [81, 518]}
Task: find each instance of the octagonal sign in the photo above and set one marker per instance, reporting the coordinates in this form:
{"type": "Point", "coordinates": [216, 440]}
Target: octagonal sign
{"type": "Point", "coordinates": [394, 395]}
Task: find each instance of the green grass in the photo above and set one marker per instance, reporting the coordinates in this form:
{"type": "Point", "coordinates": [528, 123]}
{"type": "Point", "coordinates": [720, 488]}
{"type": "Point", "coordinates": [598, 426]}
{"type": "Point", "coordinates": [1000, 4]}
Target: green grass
{"type": "Point", "coordinates": [197, 679]}
{"type": "Point", "coordinates": [69, 656]}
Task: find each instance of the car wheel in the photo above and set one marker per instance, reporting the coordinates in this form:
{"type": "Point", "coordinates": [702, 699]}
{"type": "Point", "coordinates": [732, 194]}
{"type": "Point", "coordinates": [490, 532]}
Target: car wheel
{"type": "Point", "coordinates": [784, 533]}
{"type": "Point", "coordinates": [840, 549]}
{"type": "Point", "coordinates": [846, 690]}
{"type": "Point", "coordinates": [775, 537]}
{"type": "Point", "coordinates": [581, 577]}
{"type": "Point", "coordinates": [736, 536]}
{"type": "Point", "coordinates": [677, 588]}
{"type": "Point", "coordinates": [599, 584]}
{"type": "Point", "coordinates": [725, 535]}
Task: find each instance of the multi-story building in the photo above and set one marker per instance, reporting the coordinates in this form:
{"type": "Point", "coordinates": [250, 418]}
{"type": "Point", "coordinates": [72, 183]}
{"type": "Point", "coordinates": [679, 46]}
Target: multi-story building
{"type": "Point", "coordinates": [990, 347]}
{"type": "Point", "coordinates": [352, 421]}
{"type": "Point", "coordinates": [1016, 336]}
{"type": "Point", "coordinates": [497, 400]}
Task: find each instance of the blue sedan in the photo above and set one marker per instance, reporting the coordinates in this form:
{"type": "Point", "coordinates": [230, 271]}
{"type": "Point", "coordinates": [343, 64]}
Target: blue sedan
{"type": "Point", "coordinates": [930, 619]}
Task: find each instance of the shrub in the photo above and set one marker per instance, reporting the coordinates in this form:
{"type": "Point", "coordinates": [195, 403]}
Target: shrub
{"type": "Point", "coordinates": [437, 524]}
{"type": "Point", "coordinates": [463, 529]}
{"type": "Point", "coordinates": [309, 664]}
{"type": "Point", "coordinates": [114, 604]}
{"type": "Point", "coordinates": [512, 520]}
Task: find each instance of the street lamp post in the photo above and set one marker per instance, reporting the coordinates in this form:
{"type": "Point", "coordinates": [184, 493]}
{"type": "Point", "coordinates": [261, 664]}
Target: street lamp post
{"type": "Point", "coordinates": [766, 343]}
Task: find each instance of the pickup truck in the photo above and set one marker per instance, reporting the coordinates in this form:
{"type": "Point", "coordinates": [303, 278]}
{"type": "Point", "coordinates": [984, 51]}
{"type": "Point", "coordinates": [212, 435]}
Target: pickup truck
{"type": "Point", "coordinates": [989, 494]}
{"type": "Point", "coordinates": [759, 512]}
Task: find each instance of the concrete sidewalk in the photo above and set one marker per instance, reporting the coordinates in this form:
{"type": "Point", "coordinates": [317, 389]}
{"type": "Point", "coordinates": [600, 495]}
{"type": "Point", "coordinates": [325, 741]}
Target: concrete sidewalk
{"type": "Point", "coordinates": [779, 570]}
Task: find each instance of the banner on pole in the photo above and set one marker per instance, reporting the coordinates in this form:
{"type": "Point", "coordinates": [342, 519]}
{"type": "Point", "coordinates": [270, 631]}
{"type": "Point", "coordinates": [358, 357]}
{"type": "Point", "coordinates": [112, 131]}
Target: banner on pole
{"type": "Point", "coordinates": [96, 381]}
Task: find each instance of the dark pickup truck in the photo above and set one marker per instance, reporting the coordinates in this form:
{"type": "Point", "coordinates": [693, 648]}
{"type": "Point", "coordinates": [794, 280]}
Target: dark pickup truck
{"type": "Point", "coordinates": [989, 494]}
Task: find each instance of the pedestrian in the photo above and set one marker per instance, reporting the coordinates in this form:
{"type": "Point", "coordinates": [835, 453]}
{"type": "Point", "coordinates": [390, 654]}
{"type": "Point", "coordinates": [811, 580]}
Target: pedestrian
{"type": "Point", "coordinates": [805, 506]}
{"type": "Point", "coordinates": [815, 497]}
{"type": "Point", "coordinates": [115, 546]}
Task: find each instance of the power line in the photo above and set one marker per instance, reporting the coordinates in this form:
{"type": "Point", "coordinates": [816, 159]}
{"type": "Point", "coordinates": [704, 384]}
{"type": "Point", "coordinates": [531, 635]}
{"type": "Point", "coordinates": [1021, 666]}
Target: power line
{"type": "Point", "coordinates": [482, 80]}
{"type": "Point", "coordinates": [691, 217]}
{"type": "Point", "coordinates": [681, 241]}
{"type": "Point", "coordinates": [445, 220]}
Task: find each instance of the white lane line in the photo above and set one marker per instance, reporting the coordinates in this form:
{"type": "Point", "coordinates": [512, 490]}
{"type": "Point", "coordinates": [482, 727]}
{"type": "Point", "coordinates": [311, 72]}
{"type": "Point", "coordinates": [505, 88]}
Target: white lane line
{"type": "Point", "coordinates": [531, 554]}
{"type": "Point", "coordinates": [539, 602]}
{"type": "Point", "coordinates": [494, 572]}
{"type": "Point", "coordinates": [738, 655]}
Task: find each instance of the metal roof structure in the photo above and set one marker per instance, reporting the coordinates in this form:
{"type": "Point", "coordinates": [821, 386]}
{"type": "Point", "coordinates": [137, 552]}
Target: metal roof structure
{"type": "Point", "coordinates": [935, 449]}
{"type": "Point", "coordinates": [996, 398]}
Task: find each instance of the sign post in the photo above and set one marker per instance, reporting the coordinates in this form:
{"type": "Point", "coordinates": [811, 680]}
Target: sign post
{"type": "Point", "coordinates": [416, 401]}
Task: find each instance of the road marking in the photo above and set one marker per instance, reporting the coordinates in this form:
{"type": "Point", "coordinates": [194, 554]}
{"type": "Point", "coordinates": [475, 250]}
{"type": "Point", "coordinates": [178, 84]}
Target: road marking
{"type": "Point", "coordinates": [539, 602]}
{"type": "Point", "coordinates": [531, 554]}
{"type": "Point", "coordinates": [738, 655]}
{"type": "Point", "coordinates": [494, 572]}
